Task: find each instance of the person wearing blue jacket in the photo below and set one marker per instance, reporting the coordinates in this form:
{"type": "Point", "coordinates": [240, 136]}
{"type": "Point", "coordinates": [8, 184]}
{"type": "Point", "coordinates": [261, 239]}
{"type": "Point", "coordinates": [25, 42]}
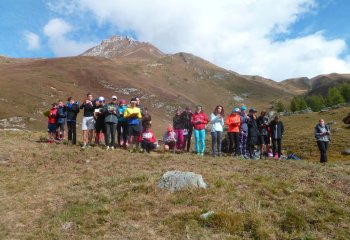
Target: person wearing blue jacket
{"type": "Point", "coordinates": [122, 126]}
{"type": "Point", "coordinates": [60, 120]}
{"type": "Point", "coordinates": [110, 112]}
{"type": "Point", "coordinates": [72, 109]}
{"type": "Point", "coordinates": [243, 132]}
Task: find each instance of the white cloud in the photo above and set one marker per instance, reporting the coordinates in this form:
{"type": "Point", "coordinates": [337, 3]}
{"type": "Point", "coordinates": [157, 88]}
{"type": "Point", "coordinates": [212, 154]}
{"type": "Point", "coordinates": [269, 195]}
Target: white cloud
{"type": "Point", "coordinates": [57, 30]}
{"type": "Point", "coordinates": [33, 41]}
{"type": "Point", "coordinates": [234, 34]}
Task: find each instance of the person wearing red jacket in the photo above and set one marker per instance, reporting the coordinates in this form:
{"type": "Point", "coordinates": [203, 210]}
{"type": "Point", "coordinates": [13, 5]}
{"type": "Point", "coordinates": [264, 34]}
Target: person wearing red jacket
{"type": "Point", "coordinates": [52, 123]}
{"type": "Point", "coordinates": [233, 122]}
{"type": "Point", "coordinates": [147, 139]}
{"type": "Point", "coordinates": [199, 121]}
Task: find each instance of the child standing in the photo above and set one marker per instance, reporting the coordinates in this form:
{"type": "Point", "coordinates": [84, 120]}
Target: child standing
{"type": "Point", "coordinates": [52, 123]}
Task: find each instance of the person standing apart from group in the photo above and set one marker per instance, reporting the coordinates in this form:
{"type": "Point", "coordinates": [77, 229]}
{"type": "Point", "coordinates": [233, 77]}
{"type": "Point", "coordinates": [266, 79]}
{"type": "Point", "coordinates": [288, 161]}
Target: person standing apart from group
{"type": "Point", "coordinates": [88, 123]}
{"type": "Point", "coordinates": [243, 133]}
{"type": "Point", "coordinates": [233, 122]}
{"type": "Point", "coordinates": [216, 123]}
{"type": "Point", "coordinates": [199, 122]}
{"type": "Point", "coordinates": [322, 135]}
{"type": "Point", "coordinates": [178, 125]}
{"type": "Point", "coordinates": [110, 112]}
{"type": "Point", "coordinates": [72, 112]}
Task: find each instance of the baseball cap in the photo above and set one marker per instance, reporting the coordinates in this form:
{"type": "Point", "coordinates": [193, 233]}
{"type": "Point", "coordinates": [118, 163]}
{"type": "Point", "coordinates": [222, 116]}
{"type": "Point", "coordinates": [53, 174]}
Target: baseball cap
{"type": "Point", "coordinates": [169, 129]}
{"type": "Point", "coordinates": [133, 99]}
{"type": "Point", "coordinates": [114, 97]}
{"type": "Point", "coordinates": [235, 109]}
{"type": "Point", "coordinates": [101, 99]}
{"type": "Point", "coordinates": [252, 110]}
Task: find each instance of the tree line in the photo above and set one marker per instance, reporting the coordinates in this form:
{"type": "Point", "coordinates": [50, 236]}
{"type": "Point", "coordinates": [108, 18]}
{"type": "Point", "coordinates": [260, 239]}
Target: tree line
{"type": "Point", "coordinates": [336, 95]}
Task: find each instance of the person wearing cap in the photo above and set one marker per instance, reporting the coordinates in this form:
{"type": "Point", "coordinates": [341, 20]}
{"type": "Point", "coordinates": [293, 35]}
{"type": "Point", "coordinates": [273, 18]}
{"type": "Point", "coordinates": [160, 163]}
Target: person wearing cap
{"type": "Point", "coordinates": [199, 122]}
{"type": "Point", "coordinates": [88, 123]}
{"type": "Point", "coordinates": [233, 122]}
{"type": "Point", "coordinates": [188, 127]}
{"type": "Point", "coordinates": [216, 129]}
{"type": "Point", "coordinates": [99, 120]}
{"type": "Point", "coordinates": [277, 131]}
{"type": "Point", "coordinates": [264, 136]}
{"type": "Point", "coordinates": [243, 132]}
{"type": "Point", "coordinates": [110, 111]}
{"type": "Point", "coordinates": [133, 117]}
{"type": "Point", "coordinates": [122, 125]}
{"type": "Point", "coordinates": [72, 112]}
{"type": "Point", "coordinates": [169, 139]}
{"type": "Point", "coordinates": [178, 125]}
{"type": "Point", "coordinates": [253, 133]}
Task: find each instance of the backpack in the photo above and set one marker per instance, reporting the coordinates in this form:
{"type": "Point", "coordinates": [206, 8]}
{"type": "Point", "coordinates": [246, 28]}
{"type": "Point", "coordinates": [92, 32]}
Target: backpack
{"type": "Point", "coordinates": [293, 157]}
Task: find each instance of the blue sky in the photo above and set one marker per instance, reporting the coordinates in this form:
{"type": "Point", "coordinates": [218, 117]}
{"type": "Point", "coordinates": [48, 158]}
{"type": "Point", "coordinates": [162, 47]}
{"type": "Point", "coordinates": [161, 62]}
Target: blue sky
{"type": "Point", "coordinates": [293, 36]}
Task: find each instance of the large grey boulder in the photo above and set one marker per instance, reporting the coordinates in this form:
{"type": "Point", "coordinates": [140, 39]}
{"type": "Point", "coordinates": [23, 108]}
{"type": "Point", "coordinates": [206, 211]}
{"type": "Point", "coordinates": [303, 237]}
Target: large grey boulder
{"type": "Point", "coordinates": [176, 181]}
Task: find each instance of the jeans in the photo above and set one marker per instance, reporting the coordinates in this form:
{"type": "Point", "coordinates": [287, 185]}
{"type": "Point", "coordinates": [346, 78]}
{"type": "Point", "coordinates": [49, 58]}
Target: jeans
{"type": "Point", "coordinates": [122, 129]}
{"type": "Point", "coordinates": [72, 131]}
{"type": "Point", "coordinates": [323, 146]}
{"type": "Point", "coordinates": [243, 136]}
{"type": "Point", "coordinates": [216, 140]}
{"type": "Point", "coordinates": [110, 132]}
{"type": "Point", "coordinates": [234, 138]}
{"type": "Point", "coordinates": [199, 136]}
{"type": "Point", "coordinates": [180, 138]}
{"type": "Point", "coordinates": [278, 148]}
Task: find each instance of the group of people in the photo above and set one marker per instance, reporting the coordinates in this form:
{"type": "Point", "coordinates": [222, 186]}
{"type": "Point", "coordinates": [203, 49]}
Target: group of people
{"type": "Point", "coordinates": [248, 135]}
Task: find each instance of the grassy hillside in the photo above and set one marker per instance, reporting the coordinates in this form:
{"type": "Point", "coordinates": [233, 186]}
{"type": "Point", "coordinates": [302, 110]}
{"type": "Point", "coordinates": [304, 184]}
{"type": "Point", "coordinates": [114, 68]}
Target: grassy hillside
{"type": "Point", "coordinates": [51, 191]}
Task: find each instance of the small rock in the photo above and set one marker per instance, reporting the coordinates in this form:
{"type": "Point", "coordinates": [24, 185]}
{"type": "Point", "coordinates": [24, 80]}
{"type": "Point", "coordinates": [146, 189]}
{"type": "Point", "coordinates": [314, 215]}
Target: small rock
{"type": "Point", "coordinates": [176, 181]}
{"type": "Point", "coordinates": [206, 215]}
{"type": "Point", "coordinates": [346, 151]}
{"type": "Point", "coordinates": [67, 226]}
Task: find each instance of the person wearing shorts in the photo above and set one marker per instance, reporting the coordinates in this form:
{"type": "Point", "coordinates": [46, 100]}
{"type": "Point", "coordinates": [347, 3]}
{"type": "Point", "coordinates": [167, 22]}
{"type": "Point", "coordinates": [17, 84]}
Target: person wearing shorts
{"type": "Point", "coordinates": [88, 123]}
{"type": "Point", "coordinates": [133, 117]}
{"type": "Point", "coordinates": [51, 126]}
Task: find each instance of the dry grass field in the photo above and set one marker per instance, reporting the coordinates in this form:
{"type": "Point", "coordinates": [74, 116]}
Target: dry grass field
{"type": "Point", "coordinates": [58, 191]}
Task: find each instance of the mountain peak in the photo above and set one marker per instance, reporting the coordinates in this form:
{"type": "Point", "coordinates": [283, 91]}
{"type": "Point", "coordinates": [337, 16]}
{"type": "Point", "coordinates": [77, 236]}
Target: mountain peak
{"type": "Point", "coordinates": [124, 46]}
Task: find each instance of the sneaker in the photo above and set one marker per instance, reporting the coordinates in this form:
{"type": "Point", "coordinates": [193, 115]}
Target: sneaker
{"type": "Point", "coordinates": [112, 148]}
{"type": "Point", "coordinates": [201, 154]}
{"type": "Point", "coordinates": [245, 156]}
{"type": "Point", "coordinates": [107, 148]}
{"type": "Point", "coordinates": [84, 146]}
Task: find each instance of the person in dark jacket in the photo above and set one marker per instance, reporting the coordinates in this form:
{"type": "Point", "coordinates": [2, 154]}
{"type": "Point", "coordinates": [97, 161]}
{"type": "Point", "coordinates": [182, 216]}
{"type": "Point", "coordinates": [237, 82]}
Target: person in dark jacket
{"type": "Point", "coordinates": [72, 108]}
{"type": "Point", "coordinates": [88, 123]}
{"type": "Point", "coordinates": [146, 119]}
{"type": "Point", "coordinates": [178, 125]}
{"type": "Point", "coordinates": [188, 127]}
{"type": "Point", "coordinates": [264, 137]}
{"type": "Point", "coordinates": [243, 132]}
{"type": "Point", "coordinates": [99, 120]}
{"type": "Point", "coordinates": [110, 112]}
{"type": "Point", "coordinates": [276, 131]}
{"type": "Point", "coordinates": [253, 132]}
{"type": "Point", "coordinates": [60, 121]}
{"type": "Point", "coordinates": [322, 135]}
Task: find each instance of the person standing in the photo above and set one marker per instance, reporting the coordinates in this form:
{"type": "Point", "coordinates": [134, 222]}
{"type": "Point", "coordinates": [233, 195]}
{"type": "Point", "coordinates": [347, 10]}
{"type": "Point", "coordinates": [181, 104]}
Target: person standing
{"type": "Point", "coordinates": [110, 111]}
{"type": "Point", "coordinates": [72, 112]}
{"type": "Point", "coordinates": [178, 125]}
{"type": "Point", "coordinates": [133, 117]}
{"type": "Point", "coordinates": [99, 120]}
{"type": "Point", "coordinates": [122, 125]}
{"type": "Point", "coordinates": [253, 133]}
{"type": "Point", "coordinates": [243, 132]}
{"type": "Point", "coordinates": [60, 121]}
{"type": "Point", "coordinates": [188, 127]}
{"type": "Point", "coordinates": [264, 138]}
{"type": "Point", "coordinates": [51, 126]}
{"type": "Point", "coordinates": [199, 121]}
{"type": "Point", "coordinates": [88, 123]}
{"type": "Point", "coordinates": [277, 131]}
{"type": "Point", "coordinates": [322, 135]}
{"type": "Point", "coordinates": [217, 123]}
{"type": "Point", "coordinates": [233, 122]}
